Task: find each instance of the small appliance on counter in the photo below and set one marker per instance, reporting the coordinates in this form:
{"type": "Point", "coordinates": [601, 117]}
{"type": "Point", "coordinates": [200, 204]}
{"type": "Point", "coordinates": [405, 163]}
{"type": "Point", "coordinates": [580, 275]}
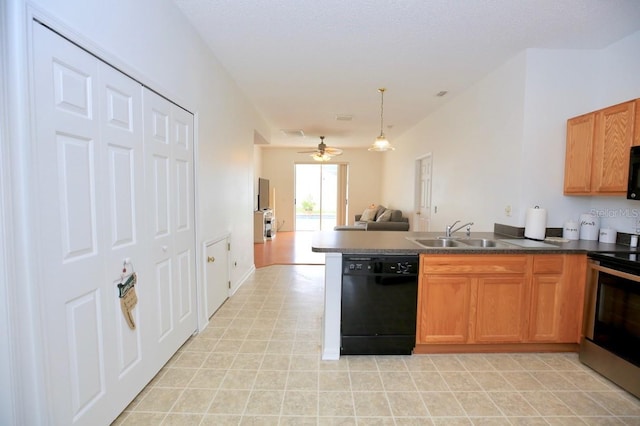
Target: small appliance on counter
{"type": "Point", "coordinates": [535, 223]}
{"type": "Point", "coordinates": [571, 230]}
{"type": "Point", "coordinates": [589, 227]}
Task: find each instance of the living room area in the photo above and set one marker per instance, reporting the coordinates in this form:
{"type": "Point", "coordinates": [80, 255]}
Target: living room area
{"type": "Point", "coordinates": [298, 210]}
{"type": "Point", "coordinates": [361, 177]}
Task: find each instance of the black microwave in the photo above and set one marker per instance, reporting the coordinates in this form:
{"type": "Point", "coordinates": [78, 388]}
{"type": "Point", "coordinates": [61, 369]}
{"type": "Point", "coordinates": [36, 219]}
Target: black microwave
{"type": "Point", "coordinates": [633, 185]}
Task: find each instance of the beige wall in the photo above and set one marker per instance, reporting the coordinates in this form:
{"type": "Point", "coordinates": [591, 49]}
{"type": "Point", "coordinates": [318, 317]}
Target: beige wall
{"type": "Point", "coordinates": [365, 179]}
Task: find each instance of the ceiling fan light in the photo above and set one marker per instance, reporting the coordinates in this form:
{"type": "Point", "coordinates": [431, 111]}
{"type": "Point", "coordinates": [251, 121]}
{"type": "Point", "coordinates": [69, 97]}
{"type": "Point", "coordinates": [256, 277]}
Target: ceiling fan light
{"type": "Point", "coordinates": [321, 156]}
{"type": "Point", "coordinates": [381, 144]}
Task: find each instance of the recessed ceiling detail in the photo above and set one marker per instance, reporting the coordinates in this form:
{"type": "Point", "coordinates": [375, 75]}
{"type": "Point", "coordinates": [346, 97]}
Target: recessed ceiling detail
{"type": "Point", "coordinates": [293, 133]}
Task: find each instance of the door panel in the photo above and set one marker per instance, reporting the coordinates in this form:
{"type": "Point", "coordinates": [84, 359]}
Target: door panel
{"type": "Point", "coordinates": [184, 305]}
{"type": "Point", "coordinates": [76, 184]}
{"type": "Point", "coordinates": [164, 316]}
{"type": "Point", "coordinates": [169, 151]}
{"type": "Point", "coordinates": [71, 271]}
{"type": "Point", "coordinates": [98, 221]}
{"type": "Point", "coordinates": [501, 309]}
{"type": "Point", "coordinates": [216, 275]}
{"type": "Point", "coordinates": [121, 135]}
{"type": "Point", "coordinates": [445, 306]}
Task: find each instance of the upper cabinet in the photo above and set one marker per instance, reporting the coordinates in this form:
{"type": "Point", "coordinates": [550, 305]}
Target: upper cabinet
{"type": "Point", "coordinates": [598, 145]}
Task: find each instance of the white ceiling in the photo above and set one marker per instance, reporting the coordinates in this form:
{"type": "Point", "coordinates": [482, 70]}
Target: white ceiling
{"type": "Point", "coordinates": [302, 62]}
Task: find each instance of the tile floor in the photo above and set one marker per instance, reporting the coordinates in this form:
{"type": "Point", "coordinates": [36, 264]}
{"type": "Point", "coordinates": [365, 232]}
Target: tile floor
{"type": "Point", "coordinates": [258, 363]}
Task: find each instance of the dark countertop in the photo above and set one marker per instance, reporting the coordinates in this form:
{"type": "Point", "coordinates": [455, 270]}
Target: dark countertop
{"type": "Point", "coordinates": [392, 242]}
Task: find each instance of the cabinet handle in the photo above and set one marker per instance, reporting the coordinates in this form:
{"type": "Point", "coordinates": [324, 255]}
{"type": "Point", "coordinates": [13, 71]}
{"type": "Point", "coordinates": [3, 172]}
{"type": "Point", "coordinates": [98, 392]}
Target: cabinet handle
{"type": "Point", "coordinates": [211, 259]}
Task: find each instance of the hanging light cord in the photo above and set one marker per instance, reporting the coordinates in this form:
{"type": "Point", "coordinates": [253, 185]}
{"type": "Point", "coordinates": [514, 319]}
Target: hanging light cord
{"type": "Point", "coordinates": [381, 109]}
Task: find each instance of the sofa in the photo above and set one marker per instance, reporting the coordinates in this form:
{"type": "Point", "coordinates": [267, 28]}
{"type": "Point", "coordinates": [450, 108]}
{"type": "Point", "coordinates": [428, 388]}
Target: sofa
{"type": "Point", "coordinates": [377, 218]}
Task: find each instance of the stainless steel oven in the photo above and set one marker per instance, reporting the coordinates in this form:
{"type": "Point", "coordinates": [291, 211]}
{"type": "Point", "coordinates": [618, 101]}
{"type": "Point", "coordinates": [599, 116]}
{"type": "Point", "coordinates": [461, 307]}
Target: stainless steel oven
{"type": "Point", "coordinates": [611, 341]}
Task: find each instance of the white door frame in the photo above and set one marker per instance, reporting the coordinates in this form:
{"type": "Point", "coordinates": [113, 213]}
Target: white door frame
{"type": "Point", "coordinates": [25, 399]}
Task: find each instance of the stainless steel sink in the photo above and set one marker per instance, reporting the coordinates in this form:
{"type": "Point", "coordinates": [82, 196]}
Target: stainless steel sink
{"type": "Point", "coordinates": [461, 242]}
{"type": "Point", "coordinates": [444, 242]}
{"type": "Point", "coordinates": [482, 242]}
{"type": "Point", "coordinates": [437, 242]}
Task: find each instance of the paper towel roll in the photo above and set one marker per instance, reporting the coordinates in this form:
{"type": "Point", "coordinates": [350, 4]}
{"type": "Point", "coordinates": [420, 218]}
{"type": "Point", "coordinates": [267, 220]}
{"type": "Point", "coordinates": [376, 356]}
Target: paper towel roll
{"type": "Point", "coordinates": [535, 223]}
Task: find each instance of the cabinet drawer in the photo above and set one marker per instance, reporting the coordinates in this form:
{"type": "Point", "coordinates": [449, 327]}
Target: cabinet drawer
{"type": "Point", "coordinates": [474, 264]}
{"type": "Point", "coordinates": [548, 264]}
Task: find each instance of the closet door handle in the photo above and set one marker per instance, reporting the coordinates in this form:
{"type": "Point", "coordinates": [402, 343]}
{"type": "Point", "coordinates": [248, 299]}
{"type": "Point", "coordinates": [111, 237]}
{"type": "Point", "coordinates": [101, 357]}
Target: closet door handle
{"type": "Point", "coordinates": [211, 259]}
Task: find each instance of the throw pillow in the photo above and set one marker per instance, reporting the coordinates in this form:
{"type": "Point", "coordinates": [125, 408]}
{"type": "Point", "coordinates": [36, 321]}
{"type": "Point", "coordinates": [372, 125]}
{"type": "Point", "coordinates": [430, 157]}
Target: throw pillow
{"type": "Point", "coordinates": [368, 215]}
{"type": "Point", "coordinates": [385, 216]}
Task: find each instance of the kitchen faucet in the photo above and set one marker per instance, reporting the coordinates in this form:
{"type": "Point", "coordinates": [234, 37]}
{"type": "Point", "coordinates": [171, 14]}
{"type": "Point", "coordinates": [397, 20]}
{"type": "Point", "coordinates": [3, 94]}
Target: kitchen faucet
{"type": "Point", "coordinates": [450, 231]}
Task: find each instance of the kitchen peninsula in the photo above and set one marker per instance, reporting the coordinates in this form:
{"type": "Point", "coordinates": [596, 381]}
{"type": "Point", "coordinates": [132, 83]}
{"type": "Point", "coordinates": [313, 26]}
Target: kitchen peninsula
{"type": "Point", "coordinates": [486, 292]}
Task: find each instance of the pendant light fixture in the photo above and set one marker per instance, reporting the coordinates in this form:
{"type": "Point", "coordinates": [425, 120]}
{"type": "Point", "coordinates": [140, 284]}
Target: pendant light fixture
{"type": "Point", "coordinates": [381, 143]}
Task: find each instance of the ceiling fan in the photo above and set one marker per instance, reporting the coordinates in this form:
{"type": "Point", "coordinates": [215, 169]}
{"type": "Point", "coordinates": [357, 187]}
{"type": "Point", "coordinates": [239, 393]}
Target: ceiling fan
{"type": "Point", "coordinates": [323, 152]}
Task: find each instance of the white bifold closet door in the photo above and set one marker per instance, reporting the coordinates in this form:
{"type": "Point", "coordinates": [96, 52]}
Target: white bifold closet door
{"type": "Point", "coordinates": [168, 139]}
{"type": "Point", "coordinates": [96, 209]}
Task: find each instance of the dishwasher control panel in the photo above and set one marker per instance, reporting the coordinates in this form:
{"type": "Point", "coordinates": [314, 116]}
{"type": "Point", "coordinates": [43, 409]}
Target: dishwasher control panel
{"type": "Point", "coordinates": [392, 265]}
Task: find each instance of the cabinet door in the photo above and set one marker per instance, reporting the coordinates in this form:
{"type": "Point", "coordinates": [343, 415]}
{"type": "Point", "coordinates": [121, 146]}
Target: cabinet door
{"type": "Point", "coordinates": [501, 309]}
{"type": "Point", "coordinates": [546, 306]}
{"type": "Point", "coordinates": [444, 309]}
{"type": "Point", "coordinates": [579, 154]}
{"type": "Point", "coordinates": [612, 143]}
{"type": "Point", "coordinates": [557, 299]}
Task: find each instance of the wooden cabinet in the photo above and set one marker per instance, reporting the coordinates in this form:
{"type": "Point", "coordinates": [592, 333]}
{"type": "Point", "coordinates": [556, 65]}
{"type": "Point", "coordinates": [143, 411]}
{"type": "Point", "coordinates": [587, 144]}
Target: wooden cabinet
{"type": "Point", "coordinates": [500, 299]}
{"type": "Point", "coordinates": [557, 295]}
{"type": "Point", "coordinates": [597, 150]}
{"type": "Point", "coordinates": [501, 302]}
{"type": "Point", "coordinates": [445, 309]}
{"type": "Point", "coordinates": [578, 160]}
{"type": "Point", "coordinates": [471, 298]}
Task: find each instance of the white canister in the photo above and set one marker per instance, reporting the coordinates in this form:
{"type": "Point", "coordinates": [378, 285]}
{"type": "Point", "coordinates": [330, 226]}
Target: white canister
{"type": "Point", "coordinates": [589, 227]}
{"type": "Point", "coordinates": [608, 235]}
{"type": "Point", "coordinates": [571, 230]}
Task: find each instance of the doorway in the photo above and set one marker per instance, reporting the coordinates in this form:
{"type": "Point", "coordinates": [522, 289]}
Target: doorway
{"type": "Point", "coordinates": [320, 196]}
{"type": "Point", "coordinates": [422, 197]}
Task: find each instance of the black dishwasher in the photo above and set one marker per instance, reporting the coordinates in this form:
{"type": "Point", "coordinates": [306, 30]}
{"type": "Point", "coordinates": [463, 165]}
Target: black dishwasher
{"type": "Point", "coordinates": [379, 303]}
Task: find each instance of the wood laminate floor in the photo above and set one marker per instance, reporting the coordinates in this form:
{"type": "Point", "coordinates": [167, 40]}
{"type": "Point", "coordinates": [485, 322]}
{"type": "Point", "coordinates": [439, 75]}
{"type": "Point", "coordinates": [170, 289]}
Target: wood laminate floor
{"type": "Point", "coordinates": [287, 248]}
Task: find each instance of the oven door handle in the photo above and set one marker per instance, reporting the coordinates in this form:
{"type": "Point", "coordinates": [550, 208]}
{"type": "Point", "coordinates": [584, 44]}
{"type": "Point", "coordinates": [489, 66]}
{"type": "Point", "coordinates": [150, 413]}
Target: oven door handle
{"type": "Point", "coordinates": [615, 273]}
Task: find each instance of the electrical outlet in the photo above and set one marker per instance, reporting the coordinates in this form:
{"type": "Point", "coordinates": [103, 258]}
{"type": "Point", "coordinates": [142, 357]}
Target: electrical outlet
{"type": "Point", "coordinates": [507, 210]}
